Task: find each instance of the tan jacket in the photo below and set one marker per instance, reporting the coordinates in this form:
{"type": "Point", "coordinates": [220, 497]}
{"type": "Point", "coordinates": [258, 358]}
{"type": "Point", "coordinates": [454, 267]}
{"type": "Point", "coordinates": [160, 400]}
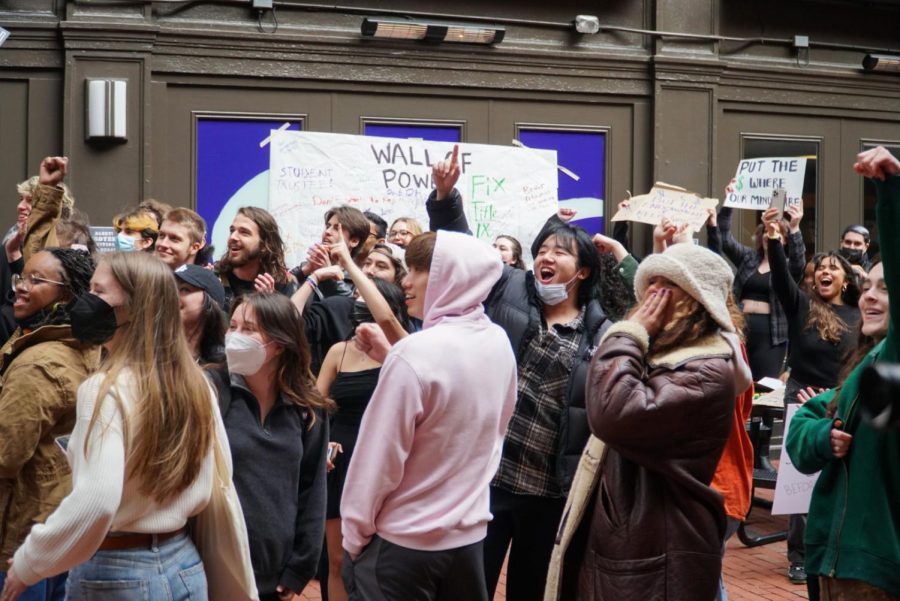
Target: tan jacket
{"type": "Point", "coordinates": [46, 208]}
{"type": "Point", "coordinates": [39, 375]}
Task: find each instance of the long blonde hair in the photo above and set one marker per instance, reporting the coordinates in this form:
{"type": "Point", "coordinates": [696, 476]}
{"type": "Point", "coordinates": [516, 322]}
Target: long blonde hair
{"type": "Point", "coordinates": [172, 417]}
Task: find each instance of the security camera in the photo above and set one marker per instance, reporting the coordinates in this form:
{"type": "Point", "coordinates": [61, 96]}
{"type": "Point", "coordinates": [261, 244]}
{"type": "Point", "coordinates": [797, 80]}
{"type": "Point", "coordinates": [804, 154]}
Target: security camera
{"type": "Point", "coordinates": [587, 24]}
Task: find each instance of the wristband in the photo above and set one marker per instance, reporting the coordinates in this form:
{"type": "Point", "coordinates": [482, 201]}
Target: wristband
{"type": "Point", "coordinates": [312, 282]}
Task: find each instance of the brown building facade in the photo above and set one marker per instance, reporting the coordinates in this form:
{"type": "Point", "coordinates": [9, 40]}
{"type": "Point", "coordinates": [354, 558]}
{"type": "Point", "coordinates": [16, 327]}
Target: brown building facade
{"type": "Point", "coordinates": [679, 91]}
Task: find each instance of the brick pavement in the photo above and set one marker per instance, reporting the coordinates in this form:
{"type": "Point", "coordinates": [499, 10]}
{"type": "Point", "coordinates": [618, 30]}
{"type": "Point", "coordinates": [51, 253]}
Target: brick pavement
{"type": "Point", "coordinates": [750, 574]}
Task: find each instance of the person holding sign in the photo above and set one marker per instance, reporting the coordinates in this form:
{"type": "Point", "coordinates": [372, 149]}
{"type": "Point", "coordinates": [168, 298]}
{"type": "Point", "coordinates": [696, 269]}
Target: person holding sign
{"type": "Point", "coordinates": [767, 325]}
{"type": "Point", "coordinates": [852, 540]}
{"type": "Point", "coordinates": [821, 326]}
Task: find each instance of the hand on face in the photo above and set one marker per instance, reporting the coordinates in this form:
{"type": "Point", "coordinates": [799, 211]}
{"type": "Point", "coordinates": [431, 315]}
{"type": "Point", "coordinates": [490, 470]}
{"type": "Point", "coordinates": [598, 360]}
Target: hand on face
{"type": "Point", "coordinates": [652, 311]}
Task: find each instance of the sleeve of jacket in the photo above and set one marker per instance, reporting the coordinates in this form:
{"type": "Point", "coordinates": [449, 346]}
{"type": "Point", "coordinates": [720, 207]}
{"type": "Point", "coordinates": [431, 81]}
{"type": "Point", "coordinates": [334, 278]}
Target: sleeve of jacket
{"type": "Point", "coordinates": [309, 528]}
{"type": "Point", "coordinates": [783, 284]}
{"type": "Point", "coordinates": [887, 210]}
{"type": "Point", "coordinates": [734, 250]}
{"type": "Point", "coordinates": [808, 441]}
{"type": "Point", "coordinates": [385, 440]}
{"type": "Point", "coordinates": [627, 268]}
{"type": "Point", "coordinates": [620, 234]}
{"type": "Point", "coordinates": [32, 400]}
{"type": "Point", "coordinates": [46, 208]}
{"type": "Point", "coordinates": [643, 416]}
{"type": "Point", "coordinates": [447, 214]}
{"type": "Point", "coordinates": [796, 256]}
{"type": "Point", "coordinates": [714, 239]}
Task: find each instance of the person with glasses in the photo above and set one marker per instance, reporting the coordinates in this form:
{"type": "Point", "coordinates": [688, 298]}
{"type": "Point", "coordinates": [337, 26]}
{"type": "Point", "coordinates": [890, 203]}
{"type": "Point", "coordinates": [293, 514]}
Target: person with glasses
{"type": "Point", "coordinates": [403, 230]}
{"type": "Point", "coordinates": [41, 367]}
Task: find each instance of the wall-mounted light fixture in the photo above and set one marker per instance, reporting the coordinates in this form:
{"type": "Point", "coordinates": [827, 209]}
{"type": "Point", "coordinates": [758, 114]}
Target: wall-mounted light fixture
{"type": "Point", "coordinates": [105, 104]}
{"type": "Point", "coordinates": [882, 62]}
{"type": "Point", "coordinates": [431, 31]}
{"type": "Point", "coordinates": [3, 35]}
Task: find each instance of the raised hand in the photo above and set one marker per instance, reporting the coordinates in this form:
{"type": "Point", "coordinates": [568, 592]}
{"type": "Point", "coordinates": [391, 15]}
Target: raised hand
{"type": "Point", "coordinates": [318, 257]}
{"type": "Point", "coordinates": [566, 215]}
{"type": "Point", "coordinates": [878, 163]}
{"type": "Point", "coordinates": [711, 217]}
{"type": "Point", "coordinates": [445, 174]}
{"type": "Point", "coordinates": [662, 235]}
{"type": "Point", "coordinates": [606, 245]}
{"type": "Point", "coordinates": [794, 214]}
{"type": "Point", "coordinates": [329, 272]}
{"type": "Point", "coordinates": [53, 170]}
{"type": "Point", "coordinates": [804, 394]}
{"type": "Point", "coordinates": [682, 234]}
{"type": "Point", "coordinates": [771, 217]}
{"type": "Point", "coordinates": [339, 252]}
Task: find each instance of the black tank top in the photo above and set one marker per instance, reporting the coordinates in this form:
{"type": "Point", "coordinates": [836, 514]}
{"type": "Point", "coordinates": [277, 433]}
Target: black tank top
{"type": "Point", "coordinates": [351, 390]}
{"type": "Point", "coordinates": [757, 287]}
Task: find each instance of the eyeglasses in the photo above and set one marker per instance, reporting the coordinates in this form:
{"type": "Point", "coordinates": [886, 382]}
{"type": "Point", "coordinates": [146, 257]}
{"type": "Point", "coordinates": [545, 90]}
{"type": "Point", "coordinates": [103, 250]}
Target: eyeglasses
{"type": "Point", "coordinates": [403, 233]}
{"type": "Point", "coordinates": [28, 282]}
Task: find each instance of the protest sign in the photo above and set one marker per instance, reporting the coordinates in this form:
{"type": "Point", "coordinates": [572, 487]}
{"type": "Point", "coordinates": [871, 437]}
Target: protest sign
{"type": "Point", "coordinates": [665, 201]}
{"type": "Point", "coordinates": [506, 190]}
{"type": "Point", "coordinates": [793, 490]}
{"type": "Point", "coordinates": [756, 179]}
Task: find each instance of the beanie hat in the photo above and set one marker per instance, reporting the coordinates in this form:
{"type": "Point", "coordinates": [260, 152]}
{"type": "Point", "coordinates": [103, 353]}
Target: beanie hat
{"type": "Point", "coordinates": [701, 273]}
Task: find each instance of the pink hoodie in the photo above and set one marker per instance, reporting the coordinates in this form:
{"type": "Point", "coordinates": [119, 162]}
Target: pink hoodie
{"type": "Point", "coordinates": [431, 436]}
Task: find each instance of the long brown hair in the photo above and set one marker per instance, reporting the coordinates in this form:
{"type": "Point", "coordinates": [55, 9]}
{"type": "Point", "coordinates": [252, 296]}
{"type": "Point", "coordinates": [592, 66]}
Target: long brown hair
{"type": "Point", "coordinates": [690, 322]}
{"type": "Point", "coordinates": [279, 319]}
{"type": "Point", "coordinates": [821, 317]}
{"type": "Point", "coordinates": [172, 418]}
{"type": "Point", "coordinates": [271, 246]}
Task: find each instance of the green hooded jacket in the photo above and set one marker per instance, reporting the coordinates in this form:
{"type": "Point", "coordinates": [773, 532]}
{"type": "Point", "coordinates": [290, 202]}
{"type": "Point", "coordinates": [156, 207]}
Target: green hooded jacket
{"type": "Point", "coordinates": [853, 529]}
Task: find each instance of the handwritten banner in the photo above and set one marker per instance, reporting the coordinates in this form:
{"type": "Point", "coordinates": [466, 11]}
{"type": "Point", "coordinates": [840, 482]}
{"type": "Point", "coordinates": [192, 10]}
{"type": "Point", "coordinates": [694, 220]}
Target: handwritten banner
{"type": "Point", "coordinates": [793, 490]}
{"type": "Point", "coordinates": [755, 180]}
{"type": "Point", "coordinates": [505, 190]}
{"type": "Point", "coordinates": [665, 201]}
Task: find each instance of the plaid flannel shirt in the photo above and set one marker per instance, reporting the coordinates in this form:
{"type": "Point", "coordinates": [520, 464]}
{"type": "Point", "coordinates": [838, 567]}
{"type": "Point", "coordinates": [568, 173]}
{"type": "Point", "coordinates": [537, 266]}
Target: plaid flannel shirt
{"type": "Point", "coordinates": [531, 448]}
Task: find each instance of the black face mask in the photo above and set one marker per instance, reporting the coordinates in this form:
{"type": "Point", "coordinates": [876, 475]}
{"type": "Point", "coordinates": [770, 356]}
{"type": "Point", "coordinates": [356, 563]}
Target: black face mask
{"type": "Point", "coordinates": [93, 320]}
{"type": "Point", "coordinates": [361, 314]}
{"type": "Point", "coordinates": [854, 256]}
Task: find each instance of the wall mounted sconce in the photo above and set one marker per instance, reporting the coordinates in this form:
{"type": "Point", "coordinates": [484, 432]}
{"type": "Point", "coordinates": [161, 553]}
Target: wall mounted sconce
{"type": "Point", "coordinates": [881, 62]}
{"type": "Point", "coordinates": [431, 31]}
{"type": "Point", "coordinates": [105, 104]}
{"type": "Point", "coordinates": [587, 24]}
{"type": "Point", "coordinates": [4, 34]}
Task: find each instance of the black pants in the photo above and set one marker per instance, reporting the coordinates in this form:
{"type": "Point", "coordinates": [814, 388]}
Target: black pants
{"type": "Point", "coordinates": [388, 572]}
{"type": "Point", "coordinates": [530, 522]}
{"type": "Point", "coordinates": [765, 358]}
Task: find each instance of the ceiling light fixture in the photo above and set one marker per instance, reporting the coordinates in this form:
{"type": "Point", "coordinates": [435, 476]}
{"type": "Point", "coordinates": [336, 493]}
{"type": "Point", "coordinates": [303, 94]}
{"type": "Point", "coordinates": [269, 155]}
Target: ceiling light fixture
{"type": "Point", "coordinates": [431, 31]}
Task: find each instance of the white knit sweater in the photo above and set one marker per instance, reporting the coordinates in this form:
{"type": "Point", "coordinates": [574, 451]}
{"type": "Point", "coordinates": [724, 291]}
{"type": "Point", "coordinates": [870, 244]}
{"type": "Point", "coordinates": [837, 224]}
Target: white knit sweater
{"type": "Point", "coordinates": [103, 498]}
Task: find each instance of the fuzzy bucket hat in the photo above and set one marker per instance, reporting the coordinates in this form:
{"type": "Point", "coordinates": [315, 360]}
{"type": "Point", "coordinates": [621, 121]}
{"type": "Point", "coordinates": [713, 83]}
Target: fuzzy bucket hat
{"type": "Point", "coordinates": [701, 273]}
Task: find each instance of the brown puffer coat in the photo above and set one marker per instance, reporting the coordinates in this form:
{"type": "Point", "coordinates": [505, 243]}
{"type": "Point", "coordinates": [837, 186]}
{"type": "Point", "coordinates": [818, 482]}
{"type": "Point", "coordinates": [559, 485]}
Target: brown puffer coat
{"type": "Point", "coordinates": [652, 527]}
{"type": "Point", "coordinates": [39, 375]}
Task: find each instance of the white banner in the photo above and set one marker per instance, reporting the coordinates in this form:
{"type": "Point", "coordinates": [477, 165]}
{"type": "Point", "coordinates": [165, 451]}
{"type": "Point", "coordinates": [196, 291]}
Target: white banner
{"type": "Point", "coordinates": [793, 490]}
{"type": "Point", "coordinates": [756, 179]}
{"type": "Point", "coordinates": [505, 190]}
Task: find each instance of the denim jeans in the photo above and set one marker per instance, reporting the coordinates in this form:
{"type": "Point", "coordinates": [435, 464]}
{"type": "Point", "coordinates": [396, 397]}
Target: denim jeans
{"type": "Point", "coordinates": [171, 571]}
{"type": "Point", "coordinates": [49, 589]}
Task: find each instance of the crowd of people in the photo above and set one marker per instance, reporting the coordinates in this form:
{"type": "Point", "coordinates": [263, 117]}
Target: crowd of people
{"type": "Point", "coordinates": [407, 410]}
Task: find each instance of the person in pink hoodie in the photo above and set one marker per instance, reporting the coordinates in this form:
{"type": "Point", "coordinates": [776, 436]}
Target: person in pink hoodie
{"type": "Point", "coordinates": [415, 506]}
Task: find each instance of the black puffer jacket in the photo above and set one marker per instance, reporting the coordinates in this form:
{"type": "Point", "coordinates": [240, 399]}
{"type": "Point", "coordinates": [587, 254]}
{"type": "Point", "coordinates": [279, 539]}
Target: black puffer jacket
{"type": "Point", "coordinates": [514, 306]}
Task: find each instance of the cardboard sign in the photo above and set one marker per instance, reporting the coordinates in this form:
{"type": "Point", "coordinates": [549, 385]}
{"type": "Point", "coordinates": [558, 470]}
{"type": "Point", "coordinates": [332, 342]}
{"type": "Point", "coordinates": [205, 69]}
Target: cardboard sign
{"type": "Point", "coordinates": [665, 201]}
{"type": "Point", "coordinates": [505, 190]}
{"type": "Point", "coordinates": [756, 179]}
{"type": "Point", "coordinates": [104, 237]}
{"type": "Point", "coordinates": [793, 490]}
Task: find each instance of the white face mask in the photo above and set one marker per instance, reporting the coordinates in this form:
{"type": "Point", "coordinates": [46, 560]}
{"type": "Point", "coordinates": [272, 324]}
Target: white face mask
{"type": "Point", "coordinates": [244, 355]}
{"type": "Point", "coordinates": [553, 294]}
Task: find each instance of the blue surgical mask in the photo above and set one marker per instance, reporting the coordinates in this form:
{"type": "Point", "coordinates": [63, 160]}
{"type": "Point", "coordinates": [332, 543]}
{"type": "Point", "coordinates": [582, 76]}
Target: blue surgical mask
{"type": "Point", "coordinates": [553, 294]}
{"type": "Point", "coordinates": [124, 242]}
